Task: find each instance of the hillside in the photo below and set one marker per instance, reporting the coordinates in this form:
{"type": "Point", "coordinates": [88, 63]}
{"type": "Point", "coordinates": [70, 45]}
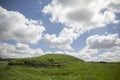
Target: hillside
{"type": "Point", "coordinates": [46, 68]}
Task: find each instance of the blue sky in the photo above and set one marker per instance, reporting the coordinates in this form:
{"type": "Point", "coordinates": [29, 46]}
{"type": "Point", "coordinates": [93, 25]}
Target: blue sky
{"type": "Point", "coordinates": [71, 28]}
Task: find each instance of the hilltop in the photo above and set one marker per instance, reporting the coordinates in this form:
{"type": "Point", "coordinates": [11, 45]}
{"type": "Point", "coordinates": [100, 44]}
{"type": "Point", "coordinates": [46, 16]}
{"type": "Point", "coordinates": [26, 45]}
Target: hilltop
{"type": "Point", "coordinates": [57, 67]}
{"type": "Point", "coordinates": [48, 60]}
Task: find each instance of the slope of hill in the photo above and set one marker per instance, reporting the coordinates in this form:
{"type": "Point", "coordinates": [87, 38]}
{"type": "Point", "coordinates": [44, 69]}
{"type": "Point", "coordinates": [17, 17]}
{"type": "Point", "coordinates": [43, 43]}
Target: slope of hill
{"type": "Point", "coordinates": [70, 68]}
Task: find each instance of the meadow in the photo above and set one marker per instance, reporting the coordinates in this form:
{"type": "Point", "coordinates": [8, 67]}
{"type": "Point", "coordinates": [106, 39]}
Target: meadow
{"type": "Point", "coordinates": [46, 68]}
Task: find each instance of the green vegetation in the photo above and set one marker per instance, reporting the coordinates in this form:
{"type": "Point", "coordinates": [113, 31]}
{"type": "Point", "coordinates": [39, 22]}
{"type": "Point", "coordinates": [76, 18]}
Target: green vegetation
{"type": "Point", "coordinates": [73, 69]}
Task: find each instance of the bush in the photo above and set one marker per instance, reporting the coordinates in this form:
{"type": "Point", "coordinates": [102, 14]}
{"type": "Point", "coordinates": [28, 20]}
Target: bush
{"type": "Point", "coordinates": [52, 61]}
{"type": "Point", "coordinates": [34, 63]}
{"type": "Point", "coordinates": [103, 62]}
{"type": "Point", "coordinates": [16, 62]}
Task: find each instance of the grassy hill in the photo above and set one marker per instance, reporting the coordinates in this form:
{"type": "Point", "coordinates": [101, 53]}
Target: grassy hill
{"type": "Point", "coordinates": [46, 68]}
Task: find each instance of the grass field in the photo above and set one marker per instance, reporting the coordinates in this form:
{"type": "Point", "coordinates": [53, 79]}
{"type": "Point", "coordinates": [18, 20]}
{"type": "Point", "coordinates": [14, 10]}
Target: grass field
{"type": "Point", "coordinates": [74, 69]}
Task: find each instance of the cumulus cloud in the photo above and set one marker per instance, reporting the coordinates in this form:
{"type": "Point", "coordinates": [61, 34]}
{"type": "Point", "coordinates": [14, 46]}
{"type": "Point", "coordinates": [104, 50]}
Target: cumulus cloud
{"type": "Point", "coordinates": [99, 42]}
{"type": "Point", "coordinates": [86, 54]}
{"type": "Point", "coordinates": [18, 51]}
{"type": "Point", "coordinates": [101, 48]}
{"type": "Point", "coordinates": [63, 41]}
{"type": "Point", "coordinates": [111, 56]}
{"type": "Point", "coordinates": [20, 46]}
{"type": "Point", "coordinates": [15, 26]}
{"type": "Point", "coordinates": [81, 16]}
{"type": "Point", "coordinates": [60, 42]}
{"type": "Point", "coordinates": [114, 5]}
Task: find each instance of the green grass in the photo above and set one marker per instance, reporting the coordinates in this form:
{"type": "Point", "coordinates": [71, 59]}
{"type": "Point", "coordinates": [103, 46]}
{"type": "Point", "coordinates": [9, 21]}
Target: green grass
{"type": "Point", "coordinates": [75, 69]}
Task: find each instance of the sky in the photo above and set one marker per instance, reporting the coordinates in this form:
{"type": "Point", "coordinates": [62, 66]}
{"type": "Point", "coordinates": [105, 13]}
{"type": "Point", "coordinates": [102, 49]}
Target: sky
{"type": "Point", "coordinates": [86, 29]}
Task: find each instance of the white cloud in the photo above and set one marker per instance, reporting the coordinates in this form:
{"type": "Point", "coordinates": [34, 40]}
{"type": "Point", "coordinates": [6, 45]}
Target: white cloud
{"type": "Point", "coordinates": [20, 46]}
{"type": "Point", "coordinates": [86, 53]}
{"type": "Point", "coordinates": [79, 16]}
{"type": "Point", "coordinates": [113, 56]}
{"type": "Point", "coordinates": [102, 41]}
{"type": "Point", "coordinates": [63, 41]}
{"type": "Point", "coordinates": [76, 12]}
{"type": "Point", "coordinates": [115, 5]}
{"type": "Point", "coordinates": [15, 26]}
{"type": "Point", "coordinates": [18, 51]}
{"type": "Point", "coordinates": [101, 48]}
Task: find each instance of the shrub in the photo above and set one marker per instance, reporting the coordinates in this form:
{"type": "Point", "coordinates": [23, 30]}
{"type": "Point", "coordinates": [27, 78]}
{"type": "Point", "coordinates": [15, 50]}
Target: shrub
{"type": "Point", "coordinates": [103, 62]}
{"type": "Point", "coordinates": [51, 61]}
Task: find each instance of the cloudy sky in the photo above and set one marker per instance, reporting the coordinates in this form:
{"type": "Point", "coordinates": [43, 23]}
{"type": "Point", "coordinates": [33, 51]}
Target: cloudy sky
{"type": "Point", "coordinates": [87, 29]}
